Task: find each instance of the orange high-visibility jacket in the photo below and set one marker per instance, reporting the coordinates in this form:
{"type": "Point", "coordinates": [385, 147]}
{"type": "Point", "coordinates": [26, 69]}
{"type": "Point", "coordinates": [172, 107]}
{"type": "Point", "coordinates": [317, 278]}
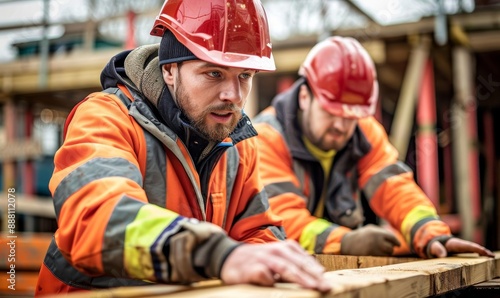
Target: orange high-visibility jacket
{"type": "Point", "coordinates": [294, 181]}
{"type": "Point", "coordinates": [133, 207]}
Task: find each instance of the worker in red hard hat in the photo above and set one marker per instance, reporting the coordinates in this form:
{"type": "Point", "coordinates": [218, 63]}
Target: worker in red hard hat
{"type": "Point", "coordinates": [156, 180]}
{"type": "Point", "coordinates": [327, 165]}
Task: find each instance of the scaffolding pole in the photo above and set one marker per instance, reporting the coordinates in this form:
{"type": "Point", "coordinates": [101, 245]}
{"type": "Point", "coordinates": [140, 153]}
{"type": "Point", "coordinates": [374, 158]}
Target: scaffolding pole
{"type": "Point", "coordinates": [402, 124]}
{"type": "Point", "coordinates": [465, 163]}
{"type": "Point", "coordinates": [426, 139]}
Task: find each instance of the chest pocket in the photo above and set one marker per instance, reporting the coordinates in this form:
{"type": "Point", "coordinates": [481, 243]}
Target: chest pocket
{"type": "Point", "coordinates": [218, 207]}
{"type": "Point", "coordinates": [222, 188]}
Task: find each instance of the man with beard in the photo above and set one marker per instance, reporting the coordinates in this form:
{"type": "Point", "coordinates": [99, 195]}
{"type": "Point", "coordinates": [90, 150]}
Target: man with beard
{"type": "Point", "coordinates": [156, 181]}
{"type": "Point", "coordinates": [326, 162]}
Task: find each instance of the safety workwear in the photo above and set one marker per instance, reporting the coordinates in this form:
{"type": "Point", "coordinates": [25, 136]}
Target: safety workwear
{"type": "Point", "coordinates": [366, 169]}
{"type": "Point", "coordinates": [369, 240]}
{"type": "Point", "coordinates": [133, 206]}
{"type": "Point", "coordinates": [232, 33]}
{"type": "Point", "coordinates": [342, 77]}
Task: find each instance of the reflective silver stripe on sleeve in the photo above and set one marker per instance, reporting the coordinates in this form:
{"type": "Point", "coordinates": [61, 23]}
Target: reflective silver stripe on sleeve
{"type": "Point", "coordinates": [415, 228]}
{"type": "Point", "coordinates": [257, 205]}
{"type": "Point", "coordinates": [233, 160]}
{"type": "Point", "coordinates": [155, 184]}
{"type": "Point", "coordinates": [278, 232]}
{"type": "Point", "coordinates": [92, 170]}
{"type": "Point", "coordinates": [376, 180]}
{"type": "Point", "coordinates": [275, 189]}
{"type": "Point", "coordinates": [62, 269]}
{"type": "Point", "coordinates": [321, 238]}
{"type": "Point", "coordinates": [300, 172]}
{"type": "Point", "coordinates": [114, 236]}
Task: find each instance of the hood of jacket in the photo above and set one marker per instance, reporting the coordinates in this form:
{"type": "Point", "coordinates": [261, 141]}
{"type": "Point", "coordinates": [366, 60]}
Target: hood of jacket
{"type": "Point", "coordinates": [286, 105]}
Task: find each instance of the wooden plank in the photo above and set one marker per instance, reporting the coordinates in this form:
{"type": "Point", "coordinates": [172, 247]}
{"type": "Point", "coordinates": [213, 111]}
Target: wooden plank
{"type": "Point", "coordinates": [337, 262]}
{"type": "Point", "coordinates": [32, 205]}
{"type": "Point", "coordinates": [246, 291]}
{"type": "Point", "coordinates": [497, 266]}
{"type": "Point", "coordinates": [421, 278]}
{"type": "Point", "coordinates": [490, 284]}
{"type": "Point", "coordinates": [144, 291]}
{"type": "Point", "coordinates": [414, 279]}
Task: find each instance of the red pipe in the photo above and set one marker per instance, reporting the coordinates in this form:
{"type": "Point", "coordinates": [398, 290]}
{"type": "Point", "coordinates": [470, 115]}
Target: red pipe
{"type": "Point", "coordinates": [29, 170]}
{"type": "Point", "coordinates": [130, 41]}
{"type": "Point", "coordinates": [489, 154]}
{"type": "Point", "coordinates": [449, 205]}
{"type": "Point", "coordinates": [426, 139]}
{"type": "Point", "coordinates": [489, 145]}
{"type": "Point", "coordinates": [284, 83]}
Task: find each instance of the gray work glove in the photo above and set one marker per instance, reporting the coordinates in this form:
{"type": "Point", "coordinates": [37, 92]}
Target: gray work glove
{"type": "Point", "coordinates": [352, 218]}
{"type": "Point", "coordinates": [370, 240]}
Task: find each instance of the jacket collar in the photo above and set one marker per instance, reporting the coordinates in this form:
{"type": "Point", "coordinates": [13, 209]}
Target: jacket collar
{"type": "Point", "coordinates": [286, 105]}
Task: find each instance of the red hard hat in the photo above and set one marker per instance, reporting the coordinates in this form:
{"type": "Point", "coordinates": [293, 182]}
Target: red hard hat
{"type": "Point", "coordinates": [232, 33]}
{"type": "Point", "coordinates": [342, 77]}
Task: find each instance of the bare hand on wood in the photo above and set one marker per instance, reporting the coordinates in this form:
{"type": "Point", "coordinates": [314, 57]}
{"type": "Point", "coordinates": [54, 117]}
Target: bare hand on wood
{"type": "Point", "coordinates": [266, 264]}
{"type": "Point", "coordinates": [457, 245]}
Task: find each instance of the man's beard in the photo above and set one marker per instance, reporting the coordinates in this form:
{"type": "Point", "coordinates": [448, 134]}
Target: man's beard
{"type": "Point", "coordinates": [319, 140]}
{"type": "Point", "coordinates": [215, 133]}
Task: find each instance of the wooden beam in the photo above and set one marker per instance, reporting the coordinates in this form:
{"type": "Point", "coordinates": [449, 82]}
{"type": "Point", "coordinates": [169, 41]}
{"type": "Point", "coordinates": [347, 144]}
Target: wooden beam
{"type": "Point", "coordinates": [485, 41]}
{"type": "Point", "coordinates": [468, 21]}
{"type": "Point", "coordinates": [421, 278]}
{"type": "Point", "coordinates": [413, 279]}
{"type": "Point", "coordinates": [477, 20]}
{"type": "Point", "coordinates": [376, 31]}
{"type": "Point", "coordinates": [340, 262]}
{"type": "Point", "coordinates": [72, 71]}
{"type": "Point", "coordinates": [290, 59]}
{"type": "Point", "coordinates": [459, 124]}
{"type": "Point", "coordinates": [150, 14]}
{"type": "Point", "coordinates": [30, 205]}
{"type": "Point", "coordinates": [405, 110]}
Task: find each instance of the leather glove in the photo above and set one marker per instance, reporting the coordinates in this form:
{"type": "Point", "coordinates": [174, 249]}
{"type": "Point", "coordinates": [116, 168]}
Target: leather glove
{"type": "Point", "coordinates": [370, 240]}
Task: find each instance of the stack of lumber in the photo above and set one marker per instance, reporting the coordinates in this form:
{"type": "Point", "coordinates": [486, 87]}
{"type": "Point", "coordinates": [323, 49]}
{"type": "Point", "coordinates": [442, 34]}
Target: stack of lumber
{"type": "Point", "coordinates": [363, 277]}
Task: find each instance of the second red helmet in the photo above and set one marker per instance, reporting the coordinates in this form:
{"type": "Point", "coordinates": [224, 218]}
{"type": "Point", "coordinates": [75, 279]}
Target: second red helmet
{"type": "Point", "coordinates": [233, 33]}
{"type": "Point", "coordinates": [342, 77]}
